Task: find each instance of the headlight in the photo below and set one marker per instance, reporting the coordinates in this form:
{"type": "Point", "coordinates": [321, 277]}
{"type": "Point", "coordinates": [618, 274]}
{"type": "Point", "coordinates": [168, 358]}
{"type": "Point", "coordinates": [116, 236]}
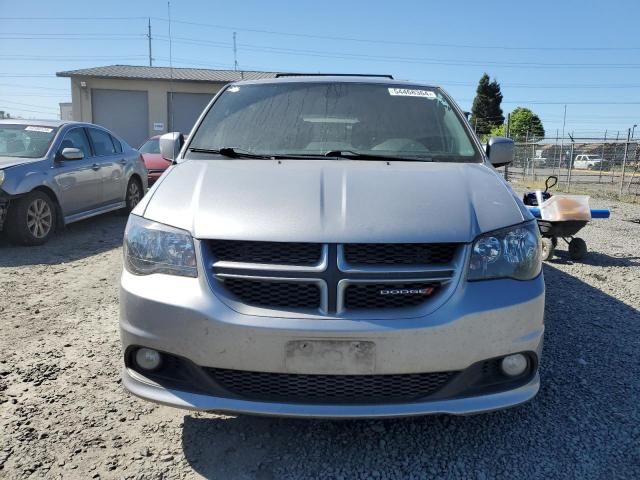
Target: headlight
{"type": "Point", "coordinates": [513, 252]}
{"type": "Point", "coordinates": [151, 247]}
{"type": "Point", "coordinates": [1, 177]}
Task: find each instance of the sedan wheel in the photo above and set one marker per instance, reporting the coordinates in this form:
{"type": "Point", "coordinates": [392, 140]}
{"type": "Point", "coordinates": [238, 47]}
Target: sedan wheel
{"type": "Point", "coordinates": [39, 218]}
{"type": "Point", "coordinates": [31, 219]}
{"type": "Point", "coordinates": [134, 194]}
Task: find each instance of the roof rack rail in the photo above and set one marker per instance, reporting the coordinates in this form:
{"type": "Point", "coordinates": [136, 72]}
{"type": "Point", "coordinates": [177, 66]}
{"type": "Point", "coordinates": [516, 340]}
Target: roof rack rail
{"type": "Point", "coordinates": [280, 75]}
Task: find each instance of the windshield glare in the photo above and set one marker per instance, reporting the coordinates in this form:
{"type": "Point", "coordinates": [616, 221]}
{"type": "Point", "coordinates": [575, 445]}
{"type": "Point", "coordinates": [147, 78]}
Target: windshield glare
{"type": "Point", "coordinates": [315, 118]}
{"type": "Point", "coordinates": [25, 141]}
{"type": "Point", "coordinates": [151, 146]}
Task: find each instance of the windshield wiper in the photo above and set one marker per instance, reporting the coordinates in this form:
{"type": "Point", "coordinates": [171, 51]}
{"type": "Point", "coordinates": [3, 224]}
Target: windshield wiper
{"type": "Point", "coordinates": [350, 154]}
{"type": "Point", "coordinates": [232, 152]}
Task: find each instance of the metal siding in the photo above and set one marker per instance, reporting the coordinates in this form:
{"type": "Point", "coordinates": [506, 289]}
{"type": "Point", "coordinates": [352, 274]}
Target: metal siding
{"type": "Point", "coordinates": [184, 109]}
{"type": "Point", "coordinates": [124, 112]}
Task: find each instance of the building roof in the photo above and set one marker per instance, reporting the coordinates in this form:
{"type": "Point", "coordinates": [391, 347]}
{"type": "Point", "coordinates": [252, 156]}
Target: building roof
{"type": "Point", "coordinates": [135, 72]}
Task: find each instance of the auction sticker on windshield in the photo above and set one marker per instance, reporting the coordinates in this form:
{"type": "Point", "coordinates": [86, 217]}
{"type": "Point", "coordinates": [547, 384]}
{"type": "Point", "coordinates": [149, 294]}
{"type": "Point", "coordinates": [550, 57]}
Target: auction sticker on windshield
{"type": "Point", "coordinates": [39, 129]}
{"type": "Point", "coordinates": [408, 92]}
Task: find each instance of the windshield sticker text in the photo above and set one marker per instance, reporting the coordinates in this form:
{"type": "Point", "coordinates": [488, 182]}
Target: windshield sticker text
{"type": "Point", "coordinates": [39, 129]}
{"type": "Point", "coordinates": [408, 92]}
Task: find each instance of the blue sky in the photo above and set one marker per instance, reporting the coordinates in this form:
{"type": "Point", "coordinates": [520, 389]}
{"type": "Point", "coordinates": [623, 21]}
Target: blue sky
{"type": "Point", "coordinates": [543, 53]}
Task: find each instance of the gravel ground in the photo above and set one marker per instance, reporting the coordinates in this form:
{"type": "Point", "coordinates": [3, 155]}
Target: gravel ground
{"type": "Point", "coordinates": [65, 414]}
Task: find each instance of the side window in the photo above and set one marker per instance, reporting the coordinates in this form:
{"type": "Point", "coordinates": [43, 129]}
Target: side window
{"type": "Point", "coordinates": [76, 138]}
{"type": "Point", "coordinates": [101, 142]}
{"type": "Point", "coordinates": [117, 144]}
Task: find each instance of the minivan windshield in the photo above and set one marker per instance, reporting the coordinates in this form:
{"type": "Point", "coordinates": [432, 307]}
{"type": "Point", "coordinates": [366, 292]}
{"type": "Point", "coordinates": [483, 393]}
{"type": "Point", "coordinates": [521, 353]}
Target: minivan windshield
{"type": "Point", "coordinates": [25, 141]}
{"type": "Point", "coordinates": [318, 118]}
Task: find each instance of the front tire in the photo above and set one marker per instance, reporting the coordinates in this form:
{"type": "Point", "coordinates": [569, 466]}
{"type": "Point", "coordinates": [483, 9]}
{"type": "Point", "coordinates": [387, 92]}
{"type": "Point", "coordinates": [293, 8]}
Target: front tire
{"type": "Point", "coordinates": [31, 219]}
{"type": "Point", "coordinates": [134, 194]}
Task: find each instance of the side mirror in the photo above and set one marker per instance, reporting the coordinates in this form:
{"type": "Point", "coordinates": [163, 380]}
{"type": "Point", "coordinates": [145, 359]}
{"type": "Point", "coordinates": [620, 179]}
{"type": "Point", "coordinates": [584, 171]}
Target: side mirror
{"type": "Point", "coordinates": [170, 145]}
{"type": "Point", "coordinates": [71, 153]}
{"type": "Point", "coordinates": [500, 151]}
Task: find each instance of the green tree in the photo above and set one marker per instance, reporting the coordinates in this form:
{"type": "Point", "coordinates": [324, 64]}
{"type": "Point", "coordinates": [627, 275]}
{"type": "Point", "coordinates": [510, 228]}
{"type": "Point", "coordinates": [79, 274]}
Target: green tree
{"type": "Point", "coordinates": [486, 112]}
{"type": "Point", "coordinates": [523, 124]}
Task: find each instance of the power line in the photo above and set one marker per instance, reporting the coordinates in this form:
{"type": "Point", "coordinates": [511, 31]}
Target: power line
{"type": "Point", "coordinates": [404, 60]}
{"type": "Point", "coordinates": [37, 87]}
{"type": "Point", "coordinates": [28, 105]}
{"type": "Point", "coordinates": [51, 95]}
{"type": "Point", "coordinates": [387, 41]}
{"type": "Point", "coordinates": [88, 34]}
{"type": "Point", "coordinates": [73, 18]}
{"type": "Point", "coordinates": [68, 57]}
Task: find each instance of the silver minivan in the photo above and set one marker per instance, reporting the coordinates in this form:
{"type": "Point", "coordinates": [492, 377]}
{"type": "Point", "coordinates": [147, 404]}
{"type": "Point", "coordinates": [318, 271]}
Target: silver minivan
{"type": "Point", "coordinates": [332, 246]}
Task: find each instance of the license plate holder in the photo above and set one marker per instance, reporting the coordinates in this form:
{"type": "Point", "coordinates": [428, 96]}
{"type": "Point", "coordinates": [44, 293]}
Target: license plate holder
{"type": "Point", "coordinates": [330, 357]}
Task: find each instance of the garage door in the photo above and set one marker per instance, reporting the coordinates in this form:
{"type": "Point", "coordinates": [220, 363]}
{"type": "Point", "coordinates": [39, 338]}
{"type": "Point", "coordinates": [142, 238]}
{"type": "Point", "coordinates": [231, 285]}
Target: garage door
{"type": "Point", "coordinates": [125, 112]}
{"type": "Point", "coordinates": [184, 109]}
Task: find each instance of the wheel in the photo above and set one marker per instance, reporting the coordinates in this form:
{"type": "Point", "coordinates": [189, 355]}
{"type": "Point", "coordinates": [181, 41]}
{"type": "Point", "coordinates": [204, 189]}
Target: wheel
{"type": "Point", "coordinates": [31, 219]}
{"type": "Point", "coordinates": [134, 194]}
{"type": "Point", "coordinates": [577, 249]}
{"type": "Point", "coordinates": [548, 247]}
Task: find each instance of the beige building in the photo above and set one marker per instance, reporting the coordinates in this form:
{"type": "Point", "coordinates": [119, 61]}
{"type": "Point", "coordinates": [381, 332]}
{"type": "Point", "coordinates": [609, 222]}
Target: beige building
{"type": "Point", "coordinates": [139, 102]}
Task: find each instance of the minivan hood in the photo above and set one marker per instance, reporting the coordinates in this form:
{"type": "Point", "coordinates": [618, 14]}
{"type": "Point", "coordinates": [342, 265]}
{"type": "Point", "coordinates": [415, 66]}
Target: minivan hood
{"type": "Point", "coordinates": [334, 201]}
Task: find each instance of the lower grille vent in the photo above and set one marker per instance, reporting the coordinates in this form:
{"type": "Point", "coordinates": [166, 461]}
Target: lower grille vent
{"type": "Point", "coordinates": [335, 389]}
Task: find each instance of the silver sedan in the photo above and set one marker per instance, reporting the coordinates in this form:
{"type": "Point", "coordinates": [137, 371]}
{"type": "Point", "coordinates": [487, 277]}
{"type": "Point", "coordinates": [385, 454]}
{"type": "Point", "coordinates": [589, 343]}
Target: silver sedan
{"type": "Point", "coordinates": [53, 173]}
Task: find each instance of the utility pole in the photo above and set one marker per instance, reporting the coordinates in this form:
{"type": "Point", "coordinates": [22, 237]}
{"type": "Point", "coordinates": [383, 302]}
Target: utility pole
{"type": "Point", "coordinates": [602, 156]}
{"type": "Point", "coordinates": [564, 121]}
{"type": "Point", "coordinates": [149, 37]}
{"type": "Point", "coordinates": [235, 53]}
{"type": "Point", "coordinates": [570, 165]}
{"type": "Point", "coordinates": [506, 134]}
{"type": "Point", "coordinates": [624, 160]}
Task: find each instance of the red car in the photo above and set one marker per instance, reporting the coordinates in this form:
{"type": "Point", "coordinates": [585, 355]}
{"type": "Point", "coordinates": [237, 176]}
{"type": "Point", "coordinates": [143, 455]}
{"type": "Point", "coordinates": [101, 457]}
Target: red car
{"type": "Point", "coordinates": [156, 165]}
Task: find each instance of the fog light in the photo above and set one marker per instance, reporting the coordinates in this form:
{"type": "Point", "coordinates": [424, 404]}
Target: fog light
{"type": "Point", "coordinates": [514, 365]}
{"type": "Point", "coordinates": [148, 359]}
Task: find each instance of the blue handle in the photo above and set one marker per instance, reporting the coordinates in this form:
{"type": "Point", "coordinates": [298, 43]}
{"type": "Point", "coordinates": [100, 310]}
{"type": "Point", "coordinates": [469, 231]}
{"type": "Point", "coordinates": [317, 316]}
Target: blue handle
{"type": "Point", "coordinates": [595, 212]}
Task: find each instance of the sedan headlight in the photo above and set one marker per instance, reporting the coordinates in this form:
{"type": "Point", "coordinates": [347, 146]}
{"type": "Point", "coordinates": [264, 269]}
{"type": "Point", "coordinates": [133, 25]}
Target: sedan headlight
{"type": "Point", "coordinates": [513, 252]}
{"type": "Point", "coordinates": [151, 247]}
{"type": "Point", "coordinates": [1, 177]}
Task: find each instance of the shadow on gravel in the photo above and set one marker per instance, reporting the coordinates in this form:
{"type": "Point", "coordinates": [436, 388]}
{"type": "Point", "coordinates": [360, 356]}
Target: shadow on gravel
{"type": "Point", "coordinates": [583, 423]}
{"type": "Point", "coordinates": [76, 241]}
{"type": "Point", "coordinates": [596, 259]}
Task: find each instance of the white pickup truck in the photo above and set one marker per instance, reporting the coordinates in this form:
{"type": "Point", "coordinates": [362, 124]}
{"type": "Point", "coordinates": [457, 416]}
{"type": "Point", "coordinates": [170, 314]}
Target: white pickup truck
{"type": "Point", "coordinates": [588, 162]}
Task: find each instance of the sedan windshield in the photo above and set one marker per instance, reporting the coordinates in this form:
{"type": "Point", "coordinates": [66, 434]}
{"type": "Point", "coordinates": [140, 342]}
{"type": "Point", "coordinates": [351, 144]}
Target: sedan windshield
{"type": "Point", "coordinates": [310, 119]}
{"type": "Point", "coordinates": [25, 141]}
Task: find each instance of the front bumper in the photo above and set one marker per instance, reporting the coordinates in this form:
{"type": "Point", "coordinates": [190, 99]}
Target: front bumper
{"type": "Point", "coordinates": [457, 406]}
{"type": "Point", "coordinates": [481, 320]}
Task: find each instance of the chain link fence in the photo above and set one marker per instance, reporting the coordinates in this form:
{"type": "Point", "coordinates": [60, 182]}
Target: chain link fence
{"type": "Point", "coordinates": [582, 165]}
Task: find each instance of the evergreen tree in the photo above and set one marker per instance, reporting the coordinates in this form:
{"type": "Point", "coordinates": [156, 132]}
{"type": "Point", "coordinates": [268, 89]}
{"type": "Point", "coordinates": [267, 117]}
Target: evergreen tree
{"type": "Point", "coordinates": [486, 112]}
{"type": "Point", "coordinates": [525, 124]}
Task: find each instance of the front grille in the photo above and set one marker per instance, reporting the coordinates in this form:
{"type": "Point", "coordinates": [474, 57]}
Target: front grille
{"type": "Point", "coordinates": [327, 279]}
{"type": "Point", "coordinates": [275, 253]}
{"type": "Point", "coordinates": [335, 389]}
{"type": "Point", "coordinates": [274, 293]}
{"type": "Point", "coordinates": [399, 253]}
{"type": "Point", "coordinates": [362, 296]}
